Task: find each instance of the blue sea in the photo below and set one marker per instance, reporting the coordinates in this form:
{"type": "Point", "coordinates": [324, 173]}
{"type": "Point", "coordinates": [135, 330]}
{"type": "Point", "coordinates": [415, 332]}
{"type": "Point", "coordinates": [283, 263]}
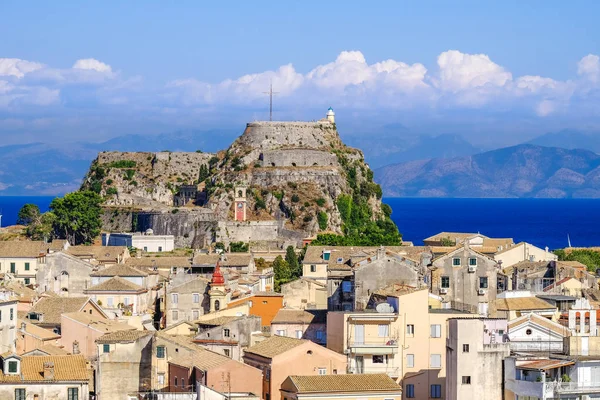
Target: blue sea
{"type": "Point", "coordinates": [543, 222]}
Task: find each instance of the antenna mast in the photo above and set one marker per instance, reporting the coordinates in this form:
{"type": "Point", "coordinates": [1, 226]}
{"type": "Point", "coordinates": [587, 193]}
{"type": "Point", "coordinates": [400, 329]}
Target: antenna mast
{"type": "Point", "coordinates": [271, 93]}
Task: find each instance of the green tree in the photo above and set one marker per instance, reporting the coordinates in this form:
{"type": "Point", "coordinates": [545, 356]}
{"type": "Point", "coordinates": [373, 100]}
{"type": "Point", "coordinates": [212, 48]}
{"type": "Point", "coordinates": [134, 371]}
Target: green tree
{"type": "Point", "coordinates": [323, 220]}
{"type": "Point", "coordinates": [238, 247]}
{"type": "Point", "coordinates": [203, 173]}
{"type": "Point", "coordinates": [77, 216]}
{"type": "Point", "coordinates": [282, 273]}
{"type": "Point", "coordinates": [260, 263]}
{"type": "Point", "coordinates": [590, 258]}
{"type": "Point", "coordinates": [28, 214]}
{"type": "Point", "coordinates": [292, 261]}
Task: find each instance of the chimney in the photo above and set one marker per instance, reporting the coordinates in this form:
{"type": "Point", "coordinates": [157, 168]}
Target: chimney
{"type": "Point", "coordinates": [76, 347]}
{"type": "Point", "coordinates": [23, 327]}
{"type": "Point", "coordinates": [49, 370]}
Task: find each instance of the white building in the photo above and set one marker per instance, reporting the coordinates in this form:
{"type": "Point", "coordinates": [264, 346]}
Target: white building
{"type": "Point", "coordinates": [147, 241]}
{"type": "Point", "coordinates": [8, 321]}
{"type": "Point", "coordinates": [532, 332]}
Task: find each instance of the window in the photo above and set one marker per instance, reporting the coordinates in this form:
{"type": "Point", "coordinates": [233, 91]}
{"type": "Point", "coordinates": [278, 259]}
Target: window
{"type": "Point", "coordinates": [326, 255]}
{"type": "Point", "coordinates": [483, 282]}
{"type": "Point", "coordinates": [196, 298]}
{"type": "Point", "coordinates": [27, 281]}
{"type": "Point", "coordinates": [109, 301]}
{"type": "Point", "coordinates": [436, 330]}
{"type": "Point", "coordinates": [377, 359]}
{"type": "Point", "coordinates": [319, 335]}
{"type": "Point", "coordinates": [436, 361]}
{"type": "Point", "coordinates": [13, 367]}
{"type": "Point", "coordinates": [445, 282]}
{"type": "Point", "coordinates": [13, 268]}
{"type": "Point", "coordinates": [20, 394]}
{"type": "Point", "coordinates": [346, 286]}
{"type": "Point", "coordinates": [160, 351]}
{"type": "Point", "coordinates": [436, 392]}
{"type": "Point", "coordinates": [410, 391]}
{"type": "Point", "coordinates": [195, 314]}
{"type": "Point", "coordinates": [106, 348]}
{"type": "Point", "coordinates": [174, 298]}
{"type": "Point", "coordinates": [126, 301]}
{"type": "Point", "coordinates": [12, 314]}
{"type": "Point", "coordinates": [298, 334]}
{"type": "Point", "coordinates": [159, 248]}
{"type": "Point", "coordinates": [410, 360]}
{"type": "Point", "coordinates": [322, 371]}
{"type": "Point", "coordinates": [528, 332]}
{"type": "Point", "coordinates": [466, 380]}
{"type": "Point", "coordinates": [146, 249]}
{"type": "Point", "coordinates": [182, 383]}
{"type": "Point", "coordinates": [226, 352]}
{"type": "Point", "coordinates": [473, 262]}
{"type": "Point", "coordinates": [226, 332]}
{"type": "Point", "coordinates": [161, 379]}
{"type": "Point", "coordinates": [73, 393]}
{"type": "Point", "coordinates": [26, 266]}
{"type": "Point", "coordinates": [410, 330]}
{"type": "Point", "coordinates": [175, 315]}
{"type": "Point", "coordinates": [313, 268]}
{"type": "Point", "coordinates": [217, 305]}
{"type": "Point", "coordinates": [175, 381]}
{"type": "Point", "coordinates": [465, 348]}
{"type": "Point", "coordinates": [280, 332]}
{"type": "Point", "coordinates": [384, 330]}
{"type": "Point", "coordinates": [456, 262]}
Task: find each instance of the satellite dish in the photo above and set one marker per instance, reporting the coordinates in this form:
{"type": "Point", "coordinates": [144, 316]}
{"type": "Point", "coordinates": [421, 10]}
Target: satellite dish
{"type": "Point", "coordinates": [384, 308]}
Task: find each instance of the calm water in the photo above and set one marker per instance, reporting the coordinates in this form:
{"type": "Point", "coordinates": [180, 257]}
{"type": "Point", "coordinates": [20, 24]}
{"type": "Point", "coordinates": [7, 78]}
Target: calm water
{"type": "Point", "coordinates": [543, 222]}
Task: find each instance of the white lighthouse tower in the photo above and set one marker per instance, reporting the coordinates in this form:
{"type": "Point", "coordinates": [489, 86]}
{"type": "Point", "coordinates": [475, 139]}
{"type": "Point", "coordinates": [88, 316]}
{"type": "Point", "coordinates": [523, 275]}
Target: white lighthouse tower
{"type": "Point", "coordinates": [331, 115]}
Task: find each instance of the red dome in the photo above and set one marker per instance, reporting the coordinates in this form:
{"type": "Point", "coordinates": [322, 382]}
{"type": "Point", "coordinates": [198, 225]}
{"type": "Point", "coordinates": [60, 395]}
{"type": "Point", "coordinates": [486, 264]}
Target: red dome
{"type": "Point", "coordinates": [217, 277]}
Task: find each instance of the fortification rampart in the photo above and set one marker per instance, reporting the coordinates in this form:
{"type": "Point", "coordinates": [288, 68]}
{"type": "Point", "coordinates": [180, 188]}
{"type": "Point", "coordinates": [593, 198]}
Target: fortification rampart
{"type": "Point", "coordinates": [298, 158]}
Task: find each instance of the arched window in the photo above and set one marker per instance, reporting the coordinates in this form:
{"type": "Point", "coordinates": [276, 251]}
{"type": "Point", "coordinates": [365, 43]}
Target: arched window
{"type": "Point", "coordinates": [64, 273]}
{"type": "Point", "coordinates": [239, 193]}
{"type": "Point", "coordinates": [217, 305]}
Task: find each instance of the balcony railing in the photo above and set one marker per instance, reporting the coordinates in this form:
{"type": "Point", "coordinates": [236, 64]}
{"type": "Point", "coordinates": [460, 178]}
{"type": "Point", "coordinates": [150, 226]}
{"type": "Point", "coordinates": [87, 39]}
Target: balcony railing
{"type": "Point", "coordinates": [391, 371]}
{"type": "Point", "coordinates": [574, 387]}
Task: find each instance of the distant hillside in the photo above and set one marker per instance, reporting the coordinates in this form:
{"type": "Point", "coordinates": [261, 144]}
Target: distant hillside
{"type": "Point", "coordinates": [395, 147]}
{"type": "Point", "coordinates": [569, 139]}
{"type": "Point", "coordinates": [519, 171]}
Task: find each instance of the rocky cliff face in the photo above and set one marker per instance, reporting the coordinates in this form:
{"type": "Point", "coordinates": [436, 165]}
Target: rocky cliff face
{"type": "Point", "coordinates": [293, 172]}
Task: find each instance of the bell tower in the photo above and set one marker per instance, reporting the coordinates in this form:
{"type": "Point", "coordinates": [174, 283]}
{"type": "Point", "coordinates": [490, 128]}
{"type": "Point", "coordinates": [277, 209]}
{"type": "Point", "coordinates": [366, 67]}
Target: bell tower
{"type": "Point", "coordinates": [240, 204]}
{"type": "Point", "coordinates": [217, 292]}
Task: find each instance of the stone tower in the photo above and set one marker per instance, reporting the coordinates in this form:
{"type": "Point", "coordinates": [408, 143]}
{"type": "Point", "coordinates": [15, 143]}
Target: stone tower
{"type": "Point", "coordinates": [331, 115]}
{"type": "Point", "coordinates": [217, 292]}
{"type": "Point", "coordinates": [240, 204]}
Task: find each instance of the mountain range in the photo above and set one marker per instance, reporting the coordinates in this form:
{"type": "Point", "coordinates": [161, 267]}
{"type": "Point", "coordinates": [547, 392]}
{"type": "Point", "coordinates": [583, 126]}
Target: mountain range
{"type": "Point", "coordinates": [520, 171]}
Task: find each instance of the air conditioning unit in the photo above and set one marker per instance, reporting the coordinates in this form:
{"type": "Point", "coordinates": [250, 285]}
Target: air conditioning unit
{"type": "Point", "coordinates": [443, 291]}
{"type": "Point", "coordinates": [481, 292]}
{"type": "Point", "coordinates": [472, 268]}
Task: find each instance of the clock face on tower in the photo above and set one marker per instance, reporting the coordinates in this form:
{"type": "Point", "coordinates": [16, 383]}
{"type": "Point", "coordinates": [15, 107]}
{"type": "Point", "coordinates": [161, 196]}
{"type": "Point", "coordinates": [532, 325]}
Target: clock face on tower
{"type": "Point", "coordinates": [240, 205]}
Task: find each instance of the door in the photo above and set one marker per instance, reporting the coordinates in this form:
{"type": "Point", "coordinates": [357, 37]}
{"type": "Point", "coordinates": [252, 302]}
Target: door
{"type": "Point", "coordinates": [360, 364]}
{"type": "Point", "coordinates": [359, 334]}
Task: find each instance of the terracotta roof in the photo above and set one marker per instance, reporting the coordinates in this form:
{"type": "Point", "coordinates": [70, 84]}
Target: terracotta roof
{"type": "Point", "coordinates": [523, 303]}
{"type": "Point", "coordinates": [115, 284]}
{"type": "Point", "coordinates": [288, 316]}
{"type": "Point", "coordinates": [119, 270]}
{"type": "Point", "coordinates": [200, 358]}
{"type": "Point", "coordinates": [38, 332]}
{"type": "Point", "coordinates": [181, 340]}
{"type": "Point", "coordinates": [192, 327]}
{"type": "Point", "coordinates": [452, 235]}
{"type": "Point", "coordinates": [98, 323]}
{"type": "Point", "coordinates": [397, 289]}
{"type": "Point", "coordinates": [274, 346]}
{"type": "Point", "coordinates": [544, 365]}
{"type": "Point", "coordinates": [49, 350]}
{"type": "Point", "coordinates": [344, 383]}
{"type": "Point", "coordinates": [196, 285]}
{"type": "Point", "coordinates": [67, 368]}
{"type": "Point", "coordinates": [206, 259]}
{"type": "Point", "coordinates": [572, 264]}
{"type": "Point", "coordinates": [538, 320]}
{"type": "Point", "coordinates": [122, 336]}
{"type": "Point", "coordinates": [100, 253]}
{"type": "Point", "coordinates": [159, 262]}
{"type": "Point", "coordinates": [218, 321]}
{"type": "Point", "coordinates": [24, 293]}
{"type": "Point", "coordinates": [343, 256]}
{"type": "Point", "coordinates": [53, 307]}
{"type": "Point", "coordinates": [23, 248]}
{"type": "Point", "coordinates": [560, 282]}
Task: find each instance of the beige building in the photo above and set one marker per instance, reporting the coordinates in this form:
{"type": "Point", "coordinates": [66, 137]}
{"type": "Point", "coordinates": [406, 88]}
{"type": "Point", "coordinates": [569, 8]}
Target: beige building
{"type": "Point", "coordinates": [120, 297]}
{"type": "Point", "coordinates": [187, 301]}
{"type": "Point", "coordinates": [334, 387]}
{"type": "Point", "coordinates": [514, 304]}
{"type": "Point", "coordinates": [47, 312]}
{"type": "Point", "coordinates": [475, 354]}
{"type": "Point", "coordinates": [301, 324]}
{"type": "Point", "coordinates": [21, 258]}
{"type": "Point", "coordinates": [44, 377]}
{"type": "Point", "coordinates": [64, 274]}
{"type": "Point", "coordinates": [279, 357]}
{"type": "Point", "coordinates": [523, 251]}
{"type": "Point", "coordinates": [124, 364]}
{"type": "Point", "coordinates": [305, 293]}
{"type": "Point", "coordinates": [31, 337]}
{"type": "Point", "coordinates": [103, 256]}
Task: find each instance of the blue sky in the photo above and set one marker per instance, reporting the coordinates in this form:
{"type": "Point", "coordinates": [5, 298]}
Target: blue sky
{"type": "Point", "coordinates": [90, 71]}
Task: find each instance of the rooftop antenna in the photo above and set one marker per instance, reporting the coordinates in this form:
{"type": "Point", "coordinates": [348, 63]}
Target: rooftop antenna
{"type": "Point", "coordinates": [271, 93]}
{"type": "Point", "coordinates": [0, 218]}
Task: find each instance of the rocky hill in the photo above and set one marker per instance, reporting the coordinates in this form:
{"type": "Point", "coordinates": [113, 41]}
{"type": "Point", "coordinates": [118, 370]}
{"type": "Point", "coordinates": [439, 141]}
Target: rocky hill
{"type": "Point", "coordinates": [294, 173]}
{"type": "Point", "coordinates": [519, 171]}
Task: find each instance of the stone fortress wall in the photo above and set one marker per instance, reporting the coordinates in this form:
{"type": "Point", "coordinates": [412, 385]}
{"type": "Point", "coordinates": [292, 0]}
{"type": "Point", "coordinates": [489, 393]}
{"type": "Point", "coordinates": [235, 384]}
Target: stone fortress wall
{"type": "Point", "coordinates": [298, 158]}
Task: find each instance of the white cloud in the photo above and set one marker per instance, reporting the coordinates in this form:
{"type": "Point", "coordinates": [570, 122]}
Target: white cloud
{"type": "Point", "coordinates": [589, 67]}
{"type": "Point", "coordinates": [92, 64]}
{"type": "Point", "coordinates": [460, 71]}
{"type": "Point", "coordinates": [16, 67]}
{"type": "Point", "coordinates": [545, 108]}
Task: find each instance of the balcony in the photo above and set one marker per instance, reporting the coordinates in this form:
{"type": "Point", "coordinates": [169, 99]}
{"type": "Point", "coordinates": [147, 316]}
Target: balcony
{"type": "Point", "coordinates": [540, 390]}
{"type": "Point", "coordinates": [393, 372]}
{"type": "Point", "coordinates": [386, 346]}
{"type": "Point", "coordinates": [561, 388]}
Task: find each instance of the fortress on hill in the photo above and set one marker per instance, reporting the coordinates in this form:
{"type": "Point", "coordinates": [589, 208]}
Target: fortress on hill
{"type": "Point", "coordinates": [277, 183]}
